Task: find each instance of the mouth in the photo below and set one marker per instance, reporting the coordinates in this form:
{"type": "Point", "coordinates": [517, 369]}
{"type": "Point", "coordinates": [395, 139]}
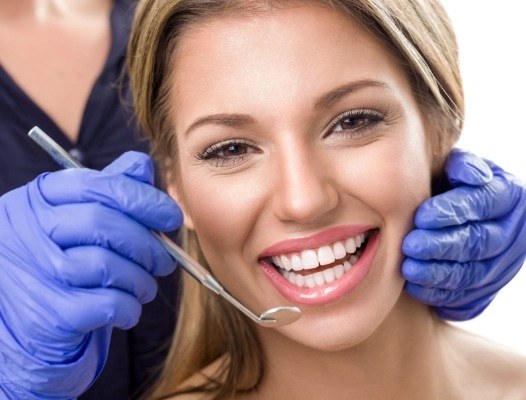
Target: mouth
{"type": "Point", "coordinates": [323, 273]}
{"type": "Point", "coordinates": [316, 267]}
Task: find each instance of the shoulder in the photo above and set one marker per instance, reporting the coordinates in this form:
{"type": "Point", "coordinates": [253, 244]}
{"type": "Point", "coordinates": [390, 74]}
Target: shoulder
{"type": "Point", "coordinates": [495, 371]}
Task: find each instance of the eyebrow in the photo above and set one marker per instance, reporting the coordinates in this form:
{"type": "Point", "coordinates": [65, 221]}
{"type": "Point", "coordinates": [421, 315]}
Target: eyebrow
{"type": "Point", "coordinates": [325, 101]}
{"type": "Point", "coordinates": [332, 97]}
{"type": "Point", "coordinates": [230, 120]}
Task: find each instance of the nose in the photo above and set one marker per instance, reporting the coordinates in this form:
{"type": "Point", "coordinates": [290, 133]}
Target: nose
{"type": "Point", "coordinates": [305, 191]}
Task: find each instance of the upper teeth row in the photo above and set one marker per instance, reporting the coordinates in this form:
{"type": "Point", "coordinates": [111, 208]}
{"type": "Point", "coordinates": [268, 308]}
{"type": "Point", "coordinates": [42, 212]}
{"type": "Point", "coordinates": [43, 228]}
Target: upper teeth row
{"type": "Point", "coordinates": [312, 258]}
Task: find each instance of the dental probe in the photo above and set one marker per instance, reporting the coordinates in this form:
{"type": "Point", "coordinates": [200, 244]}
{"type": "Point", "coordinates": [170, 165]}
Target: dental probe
{"type": "Point", "coordinates": [274, 317]}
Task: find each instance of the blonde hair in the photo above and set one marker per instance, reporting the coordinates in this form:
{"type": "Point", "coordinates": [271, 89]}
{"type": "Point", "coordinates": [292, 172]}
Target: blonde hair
{"type": "Point", "coordinates": [418, 33]}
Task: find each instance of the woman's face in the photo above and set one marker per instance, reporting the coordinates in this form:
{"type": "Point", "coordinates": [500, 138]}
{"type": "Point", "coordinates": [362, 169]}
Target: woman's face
{"type": "Point", "coordinates": [303, 157]}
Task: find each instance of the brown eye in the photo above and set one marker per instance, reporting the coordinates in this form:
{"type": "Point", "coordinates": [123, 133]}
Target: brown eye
{"type": "Point", "coordinates": [229, 153]}
{"type": "Point", "coordinates": [353, 122]}
{"type": "Point", "coordinates": [356, 122]}
{"type": "Point", "coordinates": [234, 149]}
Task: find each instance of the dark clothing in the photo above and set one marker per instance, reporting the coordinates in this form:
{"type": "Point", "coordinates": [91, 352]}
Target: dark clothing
{"type": "Point", "coordinates": [107, 130]}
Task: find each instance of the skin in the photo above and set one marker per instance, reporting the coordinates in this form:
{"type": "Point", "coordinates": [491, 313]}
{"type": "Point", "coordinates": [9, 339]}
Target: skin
{"type": "Point", "coordinates": [296, 176]}
{"type": "Point", "coordinates": [69, 42]}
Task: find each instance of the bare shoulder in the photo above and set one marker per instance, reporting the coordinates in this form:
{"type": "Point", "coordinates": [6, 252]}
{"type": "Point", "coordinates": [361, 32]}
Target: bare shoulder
{"type": "Point", "coordinates": [495, 371]}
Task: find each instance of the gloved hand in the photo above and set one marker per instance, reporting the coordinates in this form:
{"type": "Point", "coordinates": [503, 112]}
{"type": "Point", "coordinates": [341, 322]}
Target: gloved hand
{"type": "Point", "coordinates": [469, 241]}
{"type": "Point", "coordinates": [76, 260]}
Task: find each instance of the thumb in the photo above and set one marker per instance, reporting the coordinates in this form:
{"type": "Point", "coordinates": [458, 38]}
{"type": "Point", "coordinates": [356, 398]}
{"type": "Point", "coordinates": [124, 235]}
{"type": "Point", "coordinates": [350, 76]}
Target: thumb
{"type": "Point", "coordinates": [464, 168]}
{"type": "Point", "coordinates": [134, 164]}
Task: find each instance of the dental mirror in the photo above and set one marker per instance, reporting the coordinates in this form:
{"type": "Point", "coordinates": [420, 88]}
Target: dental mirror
{"type": "Point", "coordinates": [275, 317]}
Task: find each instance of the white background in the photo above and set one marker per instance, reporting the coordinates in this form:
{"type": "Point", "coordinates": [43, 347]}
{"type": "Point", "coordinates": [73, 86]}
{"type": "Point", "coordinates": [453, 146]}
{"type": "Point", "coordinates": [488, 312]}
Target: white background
{"type": "Point", "coordinates": [492, 41]}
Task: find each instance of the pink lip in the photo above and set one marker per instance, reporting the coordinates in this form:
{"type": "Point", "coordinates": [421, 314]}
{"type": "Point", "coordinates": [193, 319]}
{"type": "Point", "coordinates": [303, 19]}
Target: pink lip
{"type": "Point", "coordinates": [331, 291]}
{"type": "Point", "coordinates": [317, 240]}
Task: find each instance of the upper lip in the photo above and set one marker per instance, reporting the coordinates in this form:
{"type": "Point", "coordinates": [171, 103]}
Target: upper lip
{"type": "Point", "coordinates": [319, 239]}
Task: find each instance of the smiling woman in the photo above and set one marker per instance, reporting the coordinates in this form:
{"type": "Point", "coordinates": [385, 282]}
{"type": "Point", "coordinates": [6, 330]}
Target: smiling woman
{"type": "Point", "coordinates": [299, 137]}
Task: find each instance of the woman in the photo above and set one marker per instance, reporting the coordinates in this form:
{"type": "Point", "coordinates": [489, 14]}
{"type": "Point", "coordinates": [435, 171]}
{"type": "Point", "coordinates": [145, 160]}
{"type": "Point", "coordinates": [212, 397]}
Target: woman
{"type": "Point", "coordinates": [299, 138]}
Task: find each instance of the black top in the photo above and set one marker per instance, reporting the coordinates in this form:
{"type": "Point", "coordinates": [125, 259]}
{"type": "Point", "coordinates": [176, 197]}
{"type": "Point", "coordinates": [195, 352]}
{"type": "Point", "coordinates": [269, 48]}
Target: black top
{"type": "Point", "coordinates": [107, 130]}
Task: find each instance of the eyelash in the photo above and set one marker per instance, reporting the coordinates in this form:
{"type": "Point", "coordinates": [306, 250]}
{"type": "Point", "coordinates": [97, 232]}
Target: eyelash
{"type": "Point", "coordinates": [372, 117]}
{"type": "Point", "coordinates": [212, 153]}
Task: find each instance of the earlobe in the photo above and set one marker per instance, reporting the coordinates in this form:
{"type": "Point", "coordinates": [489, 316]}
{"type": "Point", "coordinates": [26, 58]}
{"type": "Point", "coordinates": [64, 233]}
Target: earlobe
{"type": "Point", "coordinates": [175, 194]}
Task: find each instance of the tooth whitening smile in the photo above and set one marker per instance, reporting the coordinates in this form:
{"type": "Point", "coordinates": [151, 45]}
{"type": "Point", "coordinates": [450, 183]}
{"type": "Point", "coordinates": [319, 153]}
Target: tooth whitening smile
{"type": "Point", "coordinates": [329, 262]}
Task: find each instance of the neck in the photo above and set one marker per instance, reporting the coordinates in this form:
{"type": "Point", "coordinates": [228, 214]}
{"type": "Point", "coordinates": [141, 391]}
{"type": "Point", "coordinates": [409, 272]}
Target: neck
{"type": "Point", "coordinates": [394, 362]}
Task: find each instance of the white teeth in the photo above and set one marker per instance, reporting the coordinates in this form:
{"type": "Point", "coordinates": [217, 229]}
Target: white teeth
{"type": "Point", "coordinates": [329, 276]}
{"type": "Point", "coordinates": [318, 278]}
{"type": "Point", "coordinates": [325, 255]}
{"type": "Point", "coordinates": [339, 251]}
{"type": "Point", "coordinates": [285, 262]}
{"type": "Point", "coordinates": [309, 259]}
{"type": "Point", "coordinates": [295, 259]}
{"type": "Point", "coordinates": [300, 280]}
{"type": "Point", "coordinates": [309, 281]}
{"type": "Point", "coordinates": [339, 271]}
{"type": "Point", "coordinates": [350, 245]}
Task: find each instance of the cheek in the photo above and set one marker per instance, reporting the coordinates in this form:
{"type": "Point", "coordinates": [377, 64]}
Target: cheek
{"type": "Point", "coordinates": [396, 176]}
{"type": "Point", "coordinates": [392, 176]}
{"type": "Point", "coordinates": [223, 210]}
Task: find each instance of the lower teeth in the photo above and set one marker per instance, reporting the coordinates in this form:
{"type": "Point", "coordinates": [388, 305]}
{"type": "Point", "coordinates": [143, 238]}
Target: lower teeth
{"type": "Point", "coordinates": [322, 277]}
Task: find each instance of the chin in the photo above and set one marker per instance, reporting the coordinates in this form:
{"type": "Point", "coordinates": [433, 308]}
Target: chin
{"type": "Point", "coordinates": [349, 323]}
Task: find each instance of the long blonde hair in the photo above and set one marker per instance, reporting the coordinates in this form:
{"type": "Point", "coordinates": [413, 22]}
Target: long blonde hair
{"type": "Point", "coordinates": [418, 33]}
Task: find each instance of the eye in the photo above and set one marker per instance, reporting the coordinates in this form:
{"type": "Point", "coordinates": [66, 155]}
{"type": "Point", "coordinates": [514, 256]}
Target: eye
{"type": "Point", "coordinates": [355, 122]}
{"type": "Point", "coordinates": [227, 153]}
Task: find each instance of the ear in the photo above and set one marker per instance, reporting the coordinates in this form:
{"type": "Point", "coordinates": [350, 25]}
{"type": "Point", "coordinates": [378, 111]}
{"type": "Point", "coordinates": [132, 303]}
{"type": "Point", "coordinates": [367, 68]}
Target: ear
{"type": "Point", "coordinates": [175, 193]}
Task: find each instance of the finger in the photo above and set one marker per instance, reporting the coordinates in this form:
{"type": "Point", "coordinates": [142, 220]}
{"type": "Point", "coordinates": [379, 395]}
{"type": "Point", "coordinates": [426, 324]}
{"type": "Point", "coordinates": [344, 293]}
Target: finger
{"type": "Point", "coordinates": [451, 298]}
{"type": "Point", "coordinates": [464, 313]}
{"type": "Point", "coordinates": [463, 167]}
{"type": "Point", "coordinates": [84, 310]}
{"type": "Point", "coordinates": [474, 241]}
{"type": "Point", "coordinates": [432, 296]}
{"type": "Point", "coordinates": [140, 201]}
{"type": "Point", "coordinates": [447, 275]}
{"type": "Point", "coordinates": [134, 164]}
{"type": "Point", "coordinates": [92, 267]}
{"type": "Point", "coordinates": [91, 224]}
{"type": "Point", "coordinates": [467, 203]}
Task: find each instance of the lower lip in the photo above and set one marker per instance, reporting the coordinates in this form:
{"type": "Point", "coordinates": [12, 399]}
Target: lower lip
{"type": "Point", "coordinates": [329, 292]}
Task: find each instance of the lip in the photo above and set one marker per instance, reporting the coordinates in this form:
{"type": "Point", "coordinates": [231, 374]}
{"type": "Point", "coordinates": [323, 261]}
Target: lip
{"type": "Point", "coordinates": [317, 240]}
{"type": "Point", "coordinates": [329, 292]}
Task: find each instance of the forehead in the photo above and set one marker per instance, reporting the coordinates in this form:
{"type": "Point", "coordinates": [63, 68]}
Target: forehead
{"type": "Point", "coordinates": [290, 54]}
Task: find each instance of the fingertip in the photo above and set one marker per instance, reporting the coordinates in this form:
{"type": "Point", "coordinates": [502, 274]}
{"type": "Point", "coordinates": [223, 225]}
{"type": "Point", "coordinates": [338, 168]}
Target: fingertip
{"type": "Point", "coordinates": [168, 215]}
{"type": "Point", "coordinates": [410, 270]}
{"type": "Point", "coordinates": [134, 164]}
{"type": "Point", "coordinates": [169, 270]}
{"type": "Point", "coordinates": [425, 216]}
{"type": "Point", "coordinates": [417, 292]}
{"type": "Point", "coordinates": [149, 294]}
{"type": "Point", "coordinates": [128, 318]}
{"type": "Point", "coordinates": [412, 244]}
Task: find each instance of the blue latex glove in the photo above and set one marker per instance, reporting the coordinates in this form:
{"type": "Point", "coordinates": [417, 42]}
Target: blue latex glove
{"type": "Point", "coordinates": [469, 241]}
{"type": "Point", "coordinates": [76, 260]}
